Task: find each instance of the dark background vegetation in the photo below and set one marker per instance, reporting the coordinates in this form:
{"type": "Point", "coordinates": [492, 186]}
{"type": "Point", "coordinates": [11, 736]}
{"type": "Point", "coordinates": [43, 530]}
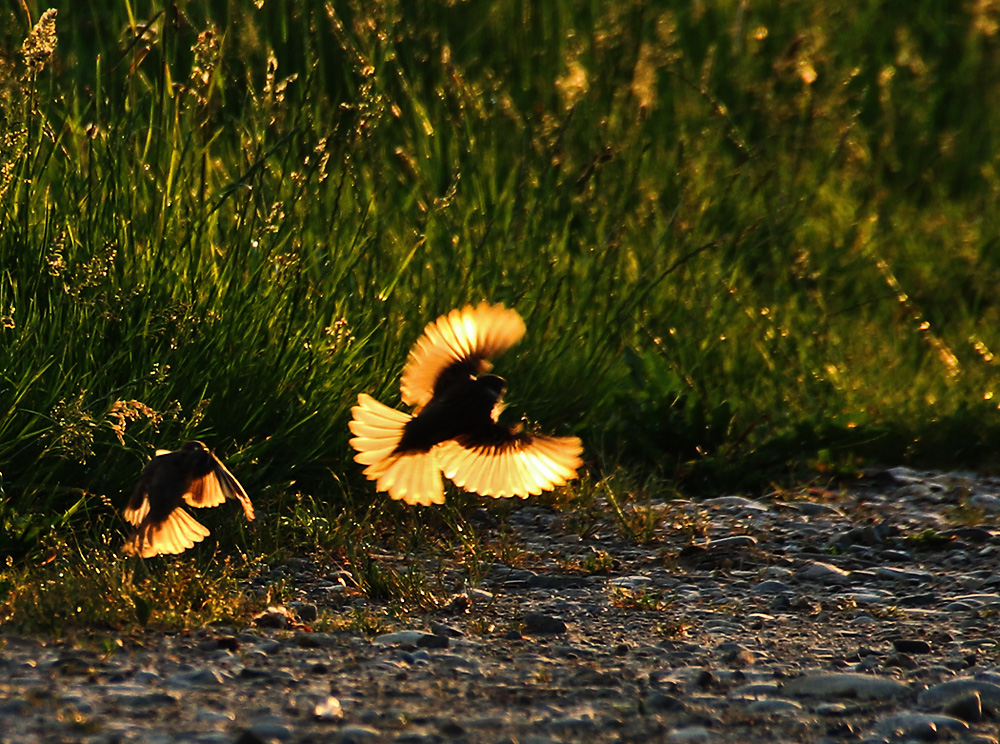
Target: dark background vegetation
{"type": "Point", "coordinates": [752, 243]}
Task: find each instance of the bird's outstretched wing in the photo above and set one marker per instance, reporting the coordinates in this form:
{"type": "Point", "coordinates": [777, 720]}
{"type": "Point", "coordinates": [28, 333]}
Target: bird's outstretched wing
{"type": "Point", "coordinates": [498, 462]}
{"type": "Point", "coordinates": [455, 347]}
{"type": "Point", "coordinates": [215, 487]}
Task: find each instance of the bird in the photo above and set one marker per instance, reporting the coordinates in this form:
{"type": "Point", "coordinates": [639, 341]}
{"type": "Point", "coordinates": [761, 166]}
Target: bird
{"type": "Point", "coordinates": [192, 474]}
{"type": "Point", "coordinates": [454, 428]}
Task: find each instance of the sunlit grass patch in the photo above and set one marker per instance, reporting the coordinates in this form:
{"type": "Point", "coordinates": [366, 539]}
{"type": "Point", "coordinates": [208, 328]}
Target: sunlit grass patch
{"type": "Point", "coordinates": [744, 254]}
{"type": "Point", "coordinates": [101, 591]}
{"type": "Point", "coordinates": [641, 600]}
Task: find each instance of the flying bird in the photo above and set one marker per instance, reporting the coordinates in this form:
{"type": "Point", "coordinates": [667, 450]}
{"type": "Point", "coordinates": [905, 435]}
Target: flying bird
{"type": "Point", "coordinates": [454, 427]}
{"type": "Point", "coordinates": [192, 474]}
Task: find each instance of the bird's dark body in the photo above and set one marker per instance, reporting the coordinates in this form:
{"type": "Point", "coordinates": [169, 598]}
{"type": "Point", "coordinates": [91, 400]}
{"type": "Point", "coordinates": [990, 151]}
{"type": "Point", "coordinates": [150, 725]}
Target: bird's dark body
{"type": "Point", "coordinates": [166, 478]}
{"type": "Point", "coordinates": [461, 408]}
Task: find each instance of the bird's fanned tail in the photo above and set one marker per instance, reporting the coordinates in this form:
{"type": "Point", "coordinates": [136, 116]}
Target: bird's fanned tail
{"type": "Point", "coordinates": [411, 477]}
{"type": "Point", "coordinates": [178, 532]}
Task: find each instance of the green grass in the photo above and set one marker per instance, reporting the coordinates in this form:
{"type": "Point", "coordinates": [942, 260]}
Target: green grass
{"type": "Point", "coordinates": [749, 243]}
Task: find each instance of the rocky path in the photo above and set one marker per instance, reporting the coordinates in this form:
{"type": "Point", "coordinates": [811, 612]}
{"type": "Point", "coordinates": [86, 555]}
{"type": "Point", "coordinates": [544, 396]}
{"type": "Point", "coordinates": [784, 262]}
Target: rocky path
{"type": "Point", "coordinates": [865, 615]}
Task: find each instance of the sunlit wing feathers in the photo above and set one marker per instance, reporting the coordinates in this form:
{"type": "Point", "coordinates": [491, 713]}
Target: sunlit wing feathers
{"type": "Point", "coordinates": [135, 515]}
{"type": "Point", "coordinates": [205, 492]}
{"type": "Point", "coordinates": [414, 478]}
{"type": "Point", "coordinates": [215, 487]}
{"type": "Point", "coordinates": [465, 338]}
{"type": "Point", "coordinates": [232, 488]}
{"type": "Point", "coordinates": [178, 532]}
{"type": "Point", "coordinates": [522, 466]}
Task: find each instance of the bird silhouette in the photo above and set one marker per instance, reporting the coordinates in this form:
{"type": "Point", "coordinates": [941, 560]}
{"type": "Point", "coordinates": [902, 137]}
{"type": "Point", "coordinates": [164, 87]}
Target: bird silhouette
{"type": "Point", "coordinates": [454, 426]}
{"type": "Point", "coordinates": [192, 475]}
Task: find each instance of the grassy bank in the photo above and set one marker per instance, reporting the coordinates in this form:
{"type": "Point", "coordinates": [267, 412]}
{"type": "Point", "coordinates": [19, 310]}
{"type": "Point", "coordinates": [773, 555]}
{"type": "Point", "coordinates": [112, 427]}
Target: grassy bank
{"type": "Point", "coordinates": [749, 244]}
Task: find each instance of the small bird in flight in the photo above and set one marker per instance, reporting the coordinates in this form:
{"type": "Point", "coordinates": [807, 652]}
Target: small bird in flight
{"type": "Point", "coordinates": [454, 428]}
{"type": "Point", "coordinates": [192, 474]}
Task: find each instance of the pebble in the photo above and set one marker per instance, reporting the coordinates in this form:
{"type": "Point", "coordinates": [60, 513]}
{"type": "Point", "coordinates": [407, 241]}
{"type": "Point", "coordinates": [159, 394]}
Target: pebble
{"type": "Point", "coordinates": [918, 725]}
{"type": "Point", "coordinates": [631, 582]}
{"type": "Point", "coordinates": [946, 692]}
{"type": "Point", "coordinates": [271, 727]}
{"type": "Point", "coordinates": [538, 622]}
{"type": "Point", "coordinates": [774, 706]}
{"type": "Point", "coordinates": [691, 734]}
{"type": "Point", "coordinates": [858, 686]}
{"type": "Point", "coordinates": [415, 638]}
{"type": "Point", "coordinates": [356, 734]}
{"type": "Point", "coordinates": [328, 710]}
{"type": "Point", "coordinates": [772, 586]}
{"type": "Point", "coordinates": [824, 573]}
{"type": "Point", "coordinates": [911, 646]}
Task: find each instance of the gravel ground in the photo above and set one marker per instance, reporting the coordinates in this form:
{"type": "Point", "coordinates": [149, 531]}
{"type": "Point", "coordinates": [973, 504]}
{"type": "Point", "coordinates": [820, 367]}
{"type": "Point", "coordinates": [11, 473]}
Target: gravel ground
{"type": "Point", "coordinates": [870, 614]}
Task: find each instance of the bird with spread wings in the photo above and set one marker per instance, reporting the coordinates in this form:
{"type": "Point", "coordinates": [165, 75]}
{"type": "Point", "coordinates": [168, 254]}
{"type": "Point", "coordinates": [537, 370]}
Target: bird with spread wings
{"type": "Point", "coordinates": [192, 475]}
{"type": "Point", "coordinates": [454, 427]}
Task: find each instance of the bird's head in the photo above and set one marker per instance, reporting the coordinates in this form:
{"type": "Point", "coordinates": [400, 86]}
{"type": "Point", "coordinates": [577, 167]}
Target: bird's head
{"type": "Point", "coordinates": [193, 446]}
{"type": "Point", "coordinates": [493, 384]}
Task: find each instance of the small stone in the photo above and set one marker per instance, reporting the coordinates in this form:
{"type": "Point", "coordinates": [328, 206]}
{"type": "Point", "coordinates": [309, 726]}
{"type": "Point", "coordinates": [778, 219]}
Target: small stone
{"type": "Point", "coordinates": [663, 703]}
{"type": "Point", "coordinates": [304, 611]}
{"type": "Point", "coordinates": [270, 727]}
{"type": "Point", "coordinates": [267, 647]}
{"type": "Point", "coordinates": [249, 737]}
{"type": "Point", "coordinates": [919, 725]}
{"type": "Point", "coordinates": [734, 542]}
{"type": "Point", "coordinates": [772, 586]}
{"type": "Point", "coordinates": [859, 686]}
{"type": "Point", "coordinates": [691, 734]}
{"type": "Point", "coordinates": [944, 693]}
{"type": "Point", "coordinates": [401, 638]}
{"type": "Point", "coordinates": [449, 631]}
{"type": "Point", "coordinates": [774, 706]}
{"type": "Point", "coordinates": [146, 700]}
{"type": "Point", "coordinates": [824, 573]}
{"type": "Point", "coordinates": [737, 655]}
{"type": "Point", "coordinates": [538, 622]}
{"type": "Point", "coordinates": [328, 710]}
{"type": "Point", "coordinates": [631, 582]}
{"type": "Point", "coordinates": [816, 509]}
{"type": "Point", "coordinates": [356, 734]}
{"type": "Point", "coordinates": [754, 691]}
{"type": "Point", "coordinates": [735, 502]}
{"type": "Point", "coordinates": [558, 581]}
{"type": "Point", "coordinates": [309, 639]}
{"type": "Point", "coordinates": [967, 707]}
{"type": "Point", "coordinates": [433, 640]}
{"type": "Point", "coordinates": [452, 729]}
{"type": "Point", "coordinates": [899, 574]}
{"type": "Point", "coordinates": [911, 646]}
{"type": "Point", "coordinates": [569, 724]}
{"type": "Point", "coordinates": [197, 678]}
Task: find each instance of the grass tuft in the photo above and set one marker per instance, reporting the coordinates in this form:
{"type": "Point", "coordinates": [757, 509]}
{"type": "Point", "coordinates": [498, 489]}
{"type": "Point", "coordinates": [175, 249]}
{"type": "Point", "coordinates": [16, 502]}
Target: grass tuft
{"type": "Point", "coordinates": [751, 245]}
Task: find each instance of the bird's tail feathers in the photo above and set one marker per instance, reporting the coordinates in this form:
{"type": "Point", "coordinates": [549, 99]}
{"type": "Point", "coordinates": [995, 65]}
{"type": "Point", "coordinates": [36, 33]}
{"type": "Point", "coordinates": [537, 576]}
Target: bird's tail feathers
{"type": "Point", "coordinates": [175, 534]}
{"type": "Point", "coordinates": [414, 477]}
